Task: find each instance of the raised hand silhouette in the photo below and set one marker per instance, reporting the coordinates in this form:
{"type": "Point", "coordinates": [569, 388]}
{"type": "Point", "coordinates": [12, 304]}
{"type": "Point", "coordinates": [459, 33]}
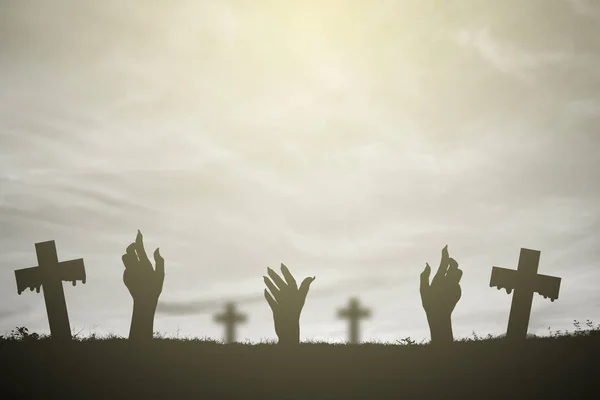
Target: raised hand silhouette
{"type": "Point", "coordinates": [286, 301]}
{"type": "Point", "coordinates": [145, 285]}
{"type": "Point", "coordinates": [440, 297]}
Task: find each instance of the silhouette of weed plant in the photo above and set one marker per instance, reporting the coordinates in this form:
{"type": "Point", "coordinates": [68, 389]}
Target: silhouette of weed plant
{"type": "Point", "coordinates": [21, 333]}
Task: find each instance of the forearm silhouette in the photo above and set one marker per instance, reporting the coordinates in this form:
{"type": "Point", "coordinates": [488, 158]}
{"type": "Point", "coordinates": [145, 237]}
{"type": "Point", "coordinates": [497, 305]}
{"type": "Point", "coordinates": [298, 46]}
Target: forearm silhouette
{"type": "Point", "coordinates": [440, 297]}
{"type": "Point", "coordinates": [286, 301]}
{"type": "Point", "coordinates": [145, 285]}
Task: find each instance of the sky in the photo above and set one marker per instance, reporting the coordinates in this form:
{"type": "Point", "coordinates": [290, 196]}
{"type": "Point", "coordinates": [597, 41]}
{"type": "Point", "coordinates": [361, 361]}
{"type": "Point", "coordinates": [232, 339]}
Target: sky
{"type": "Point", "coordinates": [350, 140]}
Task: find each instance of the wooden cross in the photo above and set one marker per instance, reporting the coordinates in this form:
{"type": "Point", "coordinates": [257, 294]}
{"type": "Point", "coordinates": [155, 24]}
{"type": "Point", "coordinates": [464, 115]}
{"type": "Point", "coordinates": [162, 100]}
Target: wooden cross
{"type": "Point", "coordinates": [354, 314]}
{"type": "Point", "coordinates": [49, 275]}
{"type": "Point", "coordinates": [230, 318]}
{"type": "Point", "coordinates": [524, 281]}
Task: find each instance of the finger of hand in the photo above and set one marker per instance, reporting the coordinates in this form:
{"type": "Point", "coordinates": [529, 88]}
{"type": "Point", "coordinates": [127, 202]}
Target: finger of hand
{"type": "Point", "coordinates": [305, 286]}
{"type": "Point", "coordinates": [443, 268]}
{"type": "Point", "coordinates": [454, 276]}
{"type": "Point", "coordinates": [125, 259]}
{"type": "Point", "coordinates": [160, 263]}
{"type": "Point", "coordinates": [452, 265]}
{"type": "Point", "coordinates": [130, 253]}
{"type": "Point", "coordinates": [425, 278]}
{"type": "Point", "coordinates": [272, 288]}
{"type": "Point", "coordinates": [126, 277]}
{"type": "Point", "coordinates": [288, 277]}
{"type": "Point", "coordinates": [277, 279]}
{"type": "Point", "coordinates": [139, 248]}
{"type": "Point", "coordinates": [270, 300]}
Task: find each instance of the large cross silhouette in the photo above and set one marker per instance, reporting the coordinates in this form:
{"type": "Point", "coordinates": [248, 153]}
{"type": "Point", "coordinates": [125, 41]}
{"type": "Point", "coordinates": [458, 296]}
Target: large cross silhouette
{"type": "Point", "coordinates": [354, 314]}
{"type": "Point", "coordinates": [524, 281]}
{"type": "Point", "coordinates": [230, 318]}
{"type": "Point", "coordinates": [49, 275]}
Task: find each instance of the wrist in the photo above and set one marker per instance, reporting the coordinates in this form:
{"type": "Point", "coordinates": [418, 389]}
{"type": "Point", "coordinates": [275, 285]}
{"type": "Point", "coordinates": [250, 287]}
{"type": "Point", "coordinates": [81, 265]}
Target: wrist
{"type": "Point", "coordinates": [142, 319]}
{"type": "Point", "coordinates": [440, 327]}
{"type": "Point", "coordinates": [145, 303]}
{"type": "Point", "coordinates": [290, 336]}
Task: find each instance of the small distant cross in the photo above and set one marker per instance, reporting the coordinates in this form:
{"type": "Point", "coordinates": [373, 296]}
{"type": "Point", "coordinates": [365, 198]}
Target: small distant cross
{"type": "Point", "coordinates": [230, 318]}
{"type": "Point", "coordinates": [49, 275]}
{"type": "Point", "coordinates": [354, 314]}
{"type": "Point", "coordinates": [524, 281]}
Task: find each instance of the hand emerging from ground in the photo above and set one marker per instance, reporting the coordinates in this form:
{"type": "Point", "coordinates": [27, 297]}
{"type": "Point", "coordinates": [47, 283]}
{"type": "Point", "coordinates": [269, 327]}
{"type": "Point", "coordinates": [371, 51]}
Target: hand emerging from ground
{"type": "Point", "coordinates": [440, 298]}
{"type": "Point", "coordinates": [145, 285]}
{"type": "Point", "coordinates": [286, 301]}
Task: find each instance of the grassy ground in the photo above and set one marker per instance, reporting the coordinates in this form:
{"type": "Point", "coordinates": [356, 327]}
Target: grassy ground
{"type": "Point", "coordinates": [554, 367]}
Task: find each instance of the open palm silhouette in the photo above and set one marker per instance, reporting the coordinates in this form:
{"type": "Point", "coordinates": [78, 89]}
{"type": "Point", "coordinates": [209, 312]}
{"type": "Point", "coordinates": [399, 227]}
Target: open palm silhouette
{"type": "Point", "coordinates": [286, 300]}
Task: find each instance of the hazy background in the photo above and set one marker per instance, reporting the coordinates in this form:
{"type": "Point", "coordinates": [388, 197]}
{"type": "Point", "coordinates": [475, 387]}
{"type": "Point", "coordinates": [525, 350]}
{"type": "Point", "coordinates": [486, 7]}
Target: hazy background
{"type": "Point", "coordinates": [350, 140]}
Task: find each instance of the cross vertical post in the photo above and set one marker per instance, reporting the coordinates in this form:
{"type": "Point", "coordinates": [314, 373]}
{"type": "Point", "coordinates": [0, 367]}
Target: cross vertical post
{"type": "Point", "coordinates": [230, 318]}
{"type": "Point", "coordinates": [354, 313]}
{"type": "Point", "coordinates": [520, 308]}
{"type": "Point", "coordinates": [54, 295]}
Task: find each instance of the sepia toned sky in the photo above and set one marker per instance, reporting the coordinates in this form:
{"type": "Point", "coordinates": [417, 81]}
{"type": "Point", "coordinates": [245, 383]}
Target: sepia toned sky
{"type": "Point", "coordinates": [350, 140]}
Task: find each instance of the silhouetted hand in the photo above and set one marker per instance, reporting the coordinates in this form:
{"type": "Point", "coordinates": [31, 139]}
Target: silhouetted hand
{"type": "Point", "coordinates": [440, 298]}
{"type": "Point", "coordinates": [286, 301]}
{"type": "Point", "coordinates": [145, 285]}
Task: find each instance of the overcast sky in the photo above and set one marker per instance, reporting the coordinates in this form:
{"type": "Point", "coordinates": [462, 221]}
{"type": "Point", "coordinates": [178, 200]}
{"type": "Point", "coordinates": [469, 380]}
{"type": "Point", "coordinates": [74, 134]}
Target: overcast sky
{"type": "Point", "coordinates": [350, 140]}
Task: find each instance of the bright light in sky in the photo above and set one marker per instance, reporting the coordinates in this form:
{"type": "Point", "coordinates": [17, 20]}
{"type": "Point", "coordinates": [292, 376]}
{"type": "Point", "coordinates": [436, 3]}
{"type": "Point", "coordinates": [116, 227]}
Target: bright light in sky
{"type": "Point", "coordinates": [350, 140]}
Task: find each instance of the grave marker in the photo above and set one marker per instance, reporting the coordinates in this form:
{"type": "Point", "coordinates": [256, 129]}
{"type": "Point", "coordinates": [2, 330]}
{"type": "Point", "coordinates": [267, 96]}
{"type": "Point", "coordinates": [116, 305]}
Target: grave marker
{"type": "Point", "coordinates": [49, 275]}
{"type": "Point", "coordinates": [354, 314]}
{"type": "Point", "coordinates": [230, 318]}
{"type": "Point", "coordinates": [524, 281]}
